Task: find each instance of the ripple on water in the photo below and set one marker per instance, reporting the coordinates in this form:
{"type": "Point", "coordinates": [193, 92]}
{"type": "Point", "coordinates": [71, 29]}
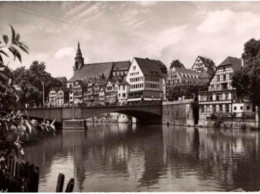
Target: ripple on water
{"type": "Point", "coordinates": [150, 158]}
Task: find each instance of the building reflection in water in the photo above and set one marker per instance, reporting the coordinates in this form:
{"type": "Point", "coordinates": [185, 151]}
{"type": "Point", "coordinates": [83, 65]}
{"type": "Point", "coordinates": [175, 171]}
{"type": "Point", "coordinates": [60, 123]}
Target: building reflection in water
{"type": "Point", "coordinates": [118, 157]}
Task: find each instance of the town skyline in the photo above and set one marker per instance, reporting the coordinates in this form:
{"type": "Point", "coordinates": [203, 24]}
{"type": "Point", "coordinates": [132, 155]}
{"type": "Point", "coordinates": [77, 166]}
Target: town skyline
{"type": "Point", "coordinates": [116, 31]}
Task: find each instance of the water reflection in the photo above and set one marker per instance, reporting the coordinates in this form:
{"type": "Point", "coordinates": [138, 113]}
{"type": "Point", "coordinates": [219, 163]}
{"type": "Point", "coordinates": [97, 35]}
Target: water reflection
{"type": "Point", "coordinates": [122, 157]}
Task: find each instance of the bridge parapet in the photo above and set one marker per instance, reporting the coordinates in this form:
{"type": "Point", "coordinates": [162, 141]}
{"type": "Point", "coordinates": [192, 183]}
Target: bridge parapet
{"type": "Point", "coordinates": [145, 113]}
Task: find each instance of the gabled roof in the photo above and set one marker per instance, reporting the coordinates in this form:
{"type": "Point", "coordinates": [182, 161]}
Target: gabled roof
{"type": "Point", "coordinates": [121, 65]}
{"type": "Point", "coordinates": [150, 67]}
{"type": "Point", "coordinates": [206, 61]}
{"type": "Point", "coordinates": [93, 70]}
{"type": "Point", "coordinates": [96, 70]}
{"type": "Point", "coordinates": [236, 63]}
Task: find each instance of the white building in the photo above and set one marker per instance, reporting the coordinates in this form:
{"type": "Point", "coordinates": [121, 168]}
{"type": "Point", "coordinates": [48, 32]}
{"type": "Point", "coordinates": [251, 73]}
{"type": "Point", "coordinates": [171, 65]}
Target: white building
{"type": "Point", "coordinates": [221, 96]}
{"type": "Point", "coordinates": [53, 97]}
{"type": "Point", "coordinates": [59, 97]}
{"type": "Point", "coordinates": [123, 92]}
{"type": "Point", "coordinates": [146, 80]}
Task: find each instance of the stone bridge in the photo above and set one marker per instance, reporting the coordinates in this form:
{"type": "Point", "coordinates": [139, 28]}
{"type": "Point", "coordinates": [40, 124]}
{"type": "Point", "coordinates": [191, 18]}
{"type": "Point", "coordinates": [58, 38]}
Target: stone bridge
{"type": "Point", "coordinates": [151, 114]}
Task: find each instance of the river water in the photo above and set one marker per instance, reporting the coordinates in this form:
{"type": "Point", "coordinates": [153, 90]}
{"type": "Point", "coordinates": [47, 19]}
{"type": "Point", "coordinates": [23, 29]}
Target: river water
{"type": "Point", "coordinates": [132, 158]}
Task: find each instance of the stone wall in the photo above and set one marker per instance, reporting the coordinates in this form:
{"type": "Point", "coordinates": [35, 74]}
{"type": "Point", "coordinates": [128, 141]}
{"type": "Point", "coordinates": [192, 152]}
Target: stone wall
{"type": "Point", "coordinates": [229, 123]}
{"type": "Point", "coordinates": [178, 113]}
{"type": "Point", "coordinates": [241, 124]}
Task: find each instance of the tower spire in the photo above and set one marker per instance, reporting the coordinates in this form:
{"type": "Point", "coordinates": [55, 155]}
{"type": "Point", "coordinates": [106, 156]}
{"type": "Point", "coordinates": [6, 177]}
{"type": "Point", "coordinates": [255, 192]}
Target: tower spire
{"type": "Point", "coordinates": [79, 51]}
{"type": "Point", "coordinates": [79, 60]}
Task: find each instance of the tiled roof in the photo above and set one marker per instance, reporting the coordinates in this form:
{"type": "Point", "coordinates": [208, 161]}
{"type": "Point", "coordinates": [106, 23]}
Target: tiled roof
{"type": "Point", "coordinates": [204, 77]}
{"type": "Point", "coordinates": [206, 61]}
{"type": "Point", "coordinates": [236, 63]}
{"type": "Point", "coordinates": [96, 70]}
{"type": "Point", "coordinates": [121, 65]}
{"type": "Point", "coordinates": [150, 67]}
{"type": "Point", "coordinates": [93, 70]}
{"type": "Point", "coordinates": [186, 71]}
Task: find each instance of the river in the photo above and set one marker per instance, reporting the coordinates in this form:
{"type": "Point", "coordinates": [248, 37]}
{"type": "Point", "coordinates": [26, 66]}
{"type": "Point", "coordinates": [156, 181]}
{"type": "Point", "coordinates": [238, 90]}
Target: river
{"type": "Point", "coordinates": [132, 158]}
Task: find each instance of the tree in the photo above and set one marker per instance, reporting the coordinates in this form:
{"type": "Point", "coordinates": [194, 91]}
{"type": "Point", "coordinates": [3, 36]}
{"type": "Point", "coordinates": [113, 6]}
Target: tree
{"type": "Point", "coordinates": [31, 82]}
{"type": "Point", "coordinates": [12, 123]}
{"type": "Point", "coordinates": [163, 68]}
{"type": "Point", "coordinates": [247, 79]}
{"type": "Point", "coordinates": [176, 63]}
{"type": "Point", "coordinates": [190, 91]}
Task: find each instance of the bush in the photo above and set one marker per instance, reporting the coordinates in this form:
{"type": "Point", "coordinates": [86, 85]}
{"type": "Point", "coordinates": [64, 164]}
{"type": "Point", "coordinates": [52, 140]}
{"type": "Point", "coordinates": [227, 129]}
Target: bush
{"type": "Point", "coordinates": [218, 120]}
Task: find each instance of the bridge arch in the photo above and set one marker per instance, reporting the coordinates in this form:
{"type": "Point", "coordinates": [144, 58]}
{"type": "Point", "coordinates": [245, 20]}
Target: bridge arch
{"type": "Point", "coordinates": [151, 114]}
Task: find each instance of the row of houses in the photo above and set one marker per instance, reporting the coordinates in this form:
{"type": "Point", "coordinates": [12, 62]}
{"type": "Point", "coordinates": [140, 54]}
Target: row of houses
{"type": "Point", "coordinates": [143, 79]}
{"type": "Point", "coordinates": [122, 82]}
{"type": "Point", "coordinates": [113, 82]}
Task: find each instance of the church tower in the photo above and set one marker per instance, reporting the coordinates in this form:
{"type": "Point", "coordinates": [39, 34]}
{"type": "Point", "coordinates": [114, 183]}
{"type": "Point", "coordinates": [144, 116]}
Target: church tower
{"type": "Point", "coordinates": [79, 60]}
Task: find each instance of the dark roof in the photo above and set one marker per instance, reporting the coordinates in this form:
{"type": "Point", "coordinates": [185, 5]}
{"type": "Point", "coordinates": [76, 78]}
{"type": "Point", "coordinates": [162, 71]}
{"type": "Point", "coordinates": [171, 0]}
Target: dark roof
{"type": "Point", "coordinates": [96, 70]}
{"type": "Point", "coordinates": [124, 82]}
{"type": "Point", "coordinates": [204, 77]}
{"type": "Point", "coordinates": [186, 71]}
{"type": "Point", "coordinates": [62, 79]}
{"type": "Point", "coordinates": [207, 61]}
{"type": "Point", "coordinates": [93, 70]}
{"type": "Point", "coordinates": [101, 82]}
{"type": "Point", "coordinates": [82, 83]}
{"type": "Point", "coordinates": [121, 65]}
{"type": "Point", "coordinates": [236, 63]}
{"type": "Point", "coordinates": [150, 67]}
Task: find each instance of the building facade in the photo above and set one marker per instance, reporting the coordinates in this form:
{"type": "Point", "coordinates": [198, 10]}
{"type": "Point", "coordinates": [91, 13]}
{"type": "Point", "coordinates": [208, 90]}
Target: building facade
{"type": "Point", "coordinates": [220, 98]}
{"type": "Point", "coordinates": [180, 76]}
{"type": "Point", "coordinates": [204, 64]}
{"type": "Point", "coordinates": [146, 80]}
{"type": "Point", "coordinates": [59, 97]}
{"type": "Point", "coordinates": [78, 89]}
{"type": "Point", "coordinates": [123, 92]}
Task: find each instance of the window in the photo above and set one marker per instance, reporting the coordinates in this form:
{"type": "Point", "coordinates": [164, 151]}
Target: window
{"type": "Point", "coordinates": [123, 94]}
{"type": "Point", "coordinates": [218, 78]}
{"type": "Point", "coordinates": [224, 77]}
{"type": "Point", "coordinates": [202, 109]}
{"type": "Point", "coordinates": [227, 108]}
{"type": "Point", "coordinates": [241, 107]}
{"type": "Point", "coordinates": [134, 67]}
{"type": "Point", "coordinates": [224, 86]}
{"type": "Point", "coordinates": [214, 108]}
{"type": "Point", "coordinates": [220, 108]}
{"type": "Point", "coordinates": [248, 107]}
{"type": "Point", "coordinates": [235, 108]}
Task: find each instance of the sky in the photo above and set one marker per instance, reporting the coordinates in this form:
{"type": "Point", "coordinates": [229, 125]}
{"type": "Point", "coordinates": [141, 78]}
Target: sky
{"type": "Point", "coordinates": [115, 31]}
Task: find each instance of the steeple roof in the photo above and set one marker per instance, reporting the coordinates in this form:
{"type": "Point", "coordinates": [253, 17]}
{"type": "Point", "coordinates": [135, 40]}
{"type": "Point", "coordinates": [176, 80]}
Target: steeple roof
{"type": "Point", "coordinates": [79, 51]}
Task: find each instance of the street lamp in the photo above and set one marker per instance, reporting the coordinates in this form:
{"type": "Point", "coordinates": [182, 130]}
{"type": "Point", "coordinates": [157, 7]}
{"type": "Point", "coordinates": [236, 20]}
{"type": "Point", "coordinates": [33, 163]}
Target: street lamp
{"type": "Point", "coordinates": [43, 94]}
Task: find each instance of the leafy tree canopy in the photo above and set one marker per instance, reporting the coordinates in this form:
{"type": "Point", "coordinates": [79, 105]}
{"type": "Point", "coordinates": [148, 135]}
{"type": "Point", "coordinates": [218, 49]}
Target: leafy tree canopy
{"type": "Point", "coordinates": [247, 79]}
{"type": "Point", "coordinates": [176, 63]}
{"type": "Point", "coordinates": [32, 81]}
